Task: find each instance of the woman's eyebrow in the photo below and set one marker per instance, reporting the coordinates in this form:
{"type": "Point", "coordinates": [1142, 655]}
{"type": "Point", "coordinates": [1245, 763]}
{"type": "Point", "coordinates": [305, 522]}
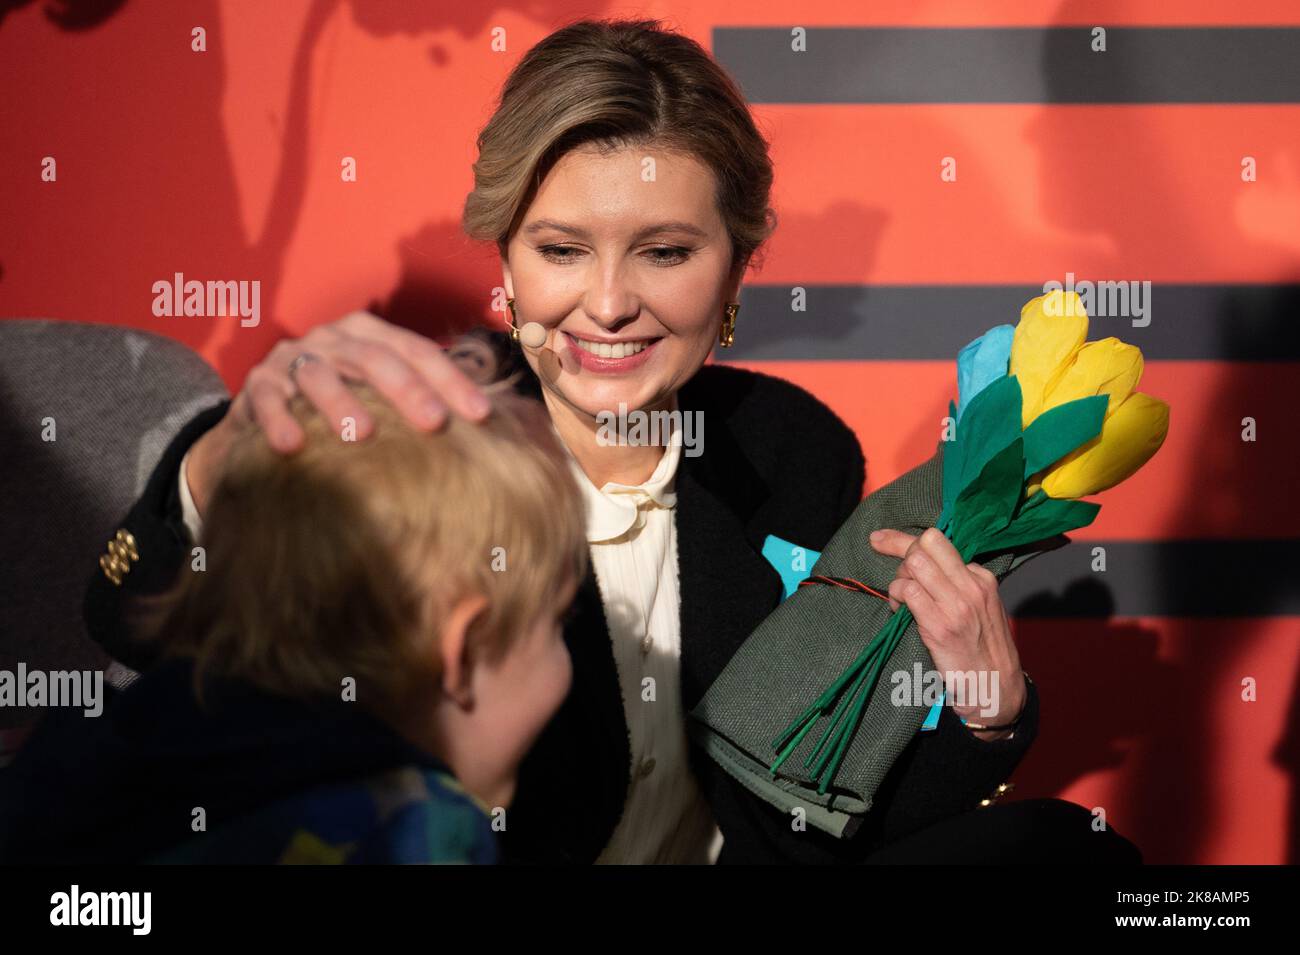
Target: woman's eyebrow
{"type": "Point", "coordinates": [539, 225]}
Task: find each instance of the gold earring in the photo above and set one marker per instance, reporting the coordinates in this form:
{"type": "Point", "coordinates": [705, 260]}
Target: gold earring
{"type": "Point", "coordinates": [514, 329]}
{"type": "Point", "coordinates": [728, 333]}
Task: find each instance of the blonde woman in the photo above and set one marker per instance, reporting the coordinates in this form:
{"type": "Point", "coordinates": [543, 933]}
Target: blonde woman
{"type": "Point", "coordinates": [625, 184]}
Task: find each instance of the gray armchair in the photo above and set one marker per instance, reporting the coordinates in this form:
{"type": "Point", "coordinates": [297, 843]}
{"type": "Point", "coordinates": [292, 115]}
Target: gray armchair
{"type": "Point", "coordinates": [85, 413]}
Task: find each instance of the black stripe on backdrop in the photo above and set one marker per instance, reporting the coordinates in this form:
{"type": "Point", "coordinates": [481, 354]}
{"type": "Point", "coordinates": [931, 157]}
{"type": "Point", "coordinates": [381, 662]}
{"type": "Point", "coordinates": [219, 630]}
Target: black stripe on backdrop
{"type": "Point", "coordinates": [1014, 64]}
{"type": "Point", "coordinates": [933, 322]}
{"type": "Point", "coordinates": [1179, 578]}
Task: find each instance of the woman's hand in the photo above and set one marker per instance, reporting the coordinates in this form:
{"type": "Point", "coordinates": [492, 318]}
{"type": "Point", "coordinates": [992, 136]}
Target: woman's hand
{"type": "Point", "coordinates": [962, 622]}
{"type": "Point", "coordinates": [411, 371]}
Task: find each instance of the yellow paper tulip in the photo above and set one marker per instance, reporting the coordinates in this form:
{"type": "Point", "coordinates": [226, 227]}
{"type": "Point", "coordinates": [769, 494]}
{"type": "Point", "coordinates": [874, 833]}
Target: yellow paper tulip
{"type": "Point", "coordinates": [1104, 367]}
{"type": "Point", "coordinates": [1130, 435]}
{"type": "Point", "coordinates": [1051, 329]}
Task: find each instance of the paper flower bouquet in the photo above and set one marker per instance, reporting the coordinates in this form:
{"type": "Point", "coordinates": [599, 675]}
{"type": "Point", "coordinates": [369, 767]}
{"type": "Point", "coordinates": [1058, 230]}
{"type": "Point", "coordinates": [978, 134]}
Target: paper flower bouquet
{"type": "Point", "coordinates": [1042, 419]}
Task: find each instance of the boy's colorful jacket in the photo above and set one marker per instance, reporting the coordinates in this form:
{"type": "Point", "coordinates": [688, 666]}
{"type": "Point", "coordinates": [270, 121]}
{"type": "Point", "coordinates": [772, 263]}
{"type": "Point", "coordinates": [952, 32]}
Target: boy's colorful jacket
{"type": "Point", "coordinates": [249, 778]}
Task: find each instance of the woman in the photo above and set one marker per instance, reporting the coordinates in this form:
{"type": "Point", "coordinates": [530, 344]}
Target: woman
{"type": "Point", "coordinates": [627, 189]}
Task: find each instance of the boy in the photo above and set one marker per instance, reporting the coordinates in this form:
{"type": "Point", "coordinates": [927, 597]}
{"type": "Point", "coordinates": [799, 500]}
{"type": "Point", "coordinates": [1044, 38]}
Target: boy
{"type": "Point", "coordinates": [352, 669]}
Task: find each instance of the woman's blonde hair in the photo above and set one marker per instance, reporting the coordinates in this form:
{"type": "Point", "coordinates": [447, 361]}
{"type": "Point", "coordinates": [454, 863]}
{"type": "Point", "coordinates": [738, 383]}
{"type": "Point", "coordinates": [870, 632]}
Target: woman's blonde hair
{"type": "Point", "coordinates": [612, 83]}
{"type": "Point", "coordinates": [342, 559]}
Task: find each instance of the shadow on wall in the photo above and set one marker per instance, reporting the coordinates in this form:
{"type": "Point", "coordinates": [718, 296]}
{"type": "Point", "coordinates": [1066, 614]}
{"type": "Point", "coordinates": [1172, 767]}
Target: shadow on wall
{"type": "Point", "coordinates": [69, 15]}
{"type": "Point", "coordinates": [1118, 689]}
{"type": "Point", "coordinates": [168, 231]}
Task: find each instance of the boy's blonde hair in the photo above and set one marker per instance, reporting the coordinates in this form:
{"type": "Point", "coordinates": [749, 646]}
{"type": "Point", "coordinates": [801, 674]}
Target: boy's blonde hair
{"type": "Point", "coordinates": [342, 559]}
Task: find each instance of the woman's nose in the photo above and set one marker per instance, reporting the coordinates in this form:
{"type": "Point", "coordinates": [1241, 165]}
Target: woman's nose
{"type": "Point", "coordinates": [610, 301]}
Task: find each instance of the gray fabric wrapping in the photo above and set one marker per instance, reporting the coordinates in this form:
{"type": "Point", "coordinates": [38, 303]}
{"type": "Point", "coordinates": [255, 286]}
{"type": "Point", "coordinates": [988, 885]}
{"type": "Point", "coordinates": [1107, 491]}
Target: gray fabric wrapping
{"type": "Point", "coordinates": [806, 643]}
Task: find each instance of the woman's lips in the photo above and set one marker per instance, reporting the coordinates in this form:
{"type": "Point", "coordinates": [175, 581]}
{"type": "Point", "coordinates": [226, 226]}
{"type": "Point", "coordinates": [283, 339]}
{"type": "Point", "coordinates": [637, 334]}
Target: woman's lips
{"type": "Point", "coordinates": [593, 362]}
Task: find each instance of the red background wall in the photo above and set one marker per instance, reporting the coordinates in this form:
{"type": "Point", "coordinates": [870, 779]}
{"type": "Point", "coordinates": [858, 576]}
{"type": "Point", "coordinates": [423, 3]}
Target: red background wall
{"type": "Point", "coordinates": [225, 164]}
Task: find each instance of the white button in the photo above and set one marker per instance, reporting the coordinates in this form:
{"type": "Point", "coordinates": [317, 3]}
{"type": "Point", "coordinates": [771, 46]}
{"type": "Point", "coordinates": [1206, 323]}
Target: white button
{"type": "Point", "coordinates": [647, 767]}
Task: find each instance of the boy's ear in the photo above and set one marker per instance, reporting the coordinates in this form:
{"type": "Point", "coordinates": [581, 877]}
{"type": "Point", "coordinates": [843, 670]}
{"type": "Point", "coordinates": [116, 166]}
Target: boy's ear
{"type": "Point", "coordinates": [454, 648]}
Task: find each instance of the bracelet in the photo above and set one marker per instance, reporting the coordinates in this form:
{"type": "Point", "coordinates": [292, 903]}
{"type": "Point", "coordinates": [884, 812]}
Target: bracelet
{"type": "Point", "coordinates": [1003, 726]}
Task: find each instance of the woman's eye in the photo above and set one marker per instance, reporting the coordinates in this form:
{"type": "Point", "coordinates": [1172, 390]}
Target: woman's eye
{"type": "Point", "coordinates": [661, 255]}
{"type": "Point", "coordinates": [669, 255]}
{"type": "Point", "coordinates": [552, 253]}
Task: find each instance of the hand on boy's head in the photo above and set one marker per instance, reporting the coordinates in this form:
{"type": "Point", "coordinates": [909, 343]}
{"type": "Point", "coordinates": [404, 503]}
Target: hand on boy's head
{"type": "Point", "coordinates": [409, 370]}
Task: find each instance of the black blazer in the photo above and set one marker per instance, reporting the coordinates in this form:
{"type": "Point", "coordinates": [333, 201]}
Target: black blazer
{"type": "Point", "coordinates": [775, 461]}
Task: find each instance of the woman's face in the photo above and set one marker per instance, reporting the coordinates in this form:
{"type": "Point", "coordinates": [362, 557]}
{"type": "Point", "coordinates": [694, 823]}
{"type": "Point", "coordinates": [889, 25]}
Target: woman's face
{"type": "Point", "coordinates": [626, 250]}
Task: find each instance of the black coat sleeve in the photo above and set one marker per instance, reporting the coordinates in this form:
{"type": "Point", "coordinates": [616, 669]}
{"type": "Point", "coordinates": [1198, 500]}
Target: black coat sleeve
{"type": "Point", "coordinates": [947, 771]}
{"type": "Point", "coordinates": [157, 524]}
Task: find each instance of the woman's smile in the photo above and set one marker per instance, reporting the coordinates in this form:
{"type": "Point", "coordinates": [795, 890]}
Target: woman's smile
{"type": "Point", "coordinates": [611, 356]}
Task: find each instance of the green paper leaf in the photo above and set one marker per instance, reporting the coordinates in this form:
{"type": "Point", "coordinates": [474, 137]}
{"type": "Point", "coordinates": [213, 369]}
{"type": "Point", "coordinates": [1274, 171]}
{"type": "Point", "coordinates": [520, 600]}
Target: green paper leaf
{"type": "Point", "coordinates": [991, 422]}
{"type": "Point", "coordinates": [986, 505]}
{"type": "Point", "coordinates": [952, 467]}
{"type": "Point", "coordinates": [1057, 432]}
{"type": "Point", "coordinates": [1038, 497]}
{"type": "Point", "coordinates": [1029, 503]}
{"type": "Point", "coordinates": [1044, 520]}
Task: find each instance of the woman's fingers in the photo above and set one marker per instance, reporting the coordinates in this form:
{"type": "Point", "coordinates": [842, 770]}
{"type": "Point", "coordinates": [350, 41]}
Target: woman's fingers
{"type": "Point", "coordinates": [425, 383]}
{"type": "Point", "coordinates": [268, 407]}
{"type": "Point", "coordinates": [940, 602]}
{"type": "Point", "coordinates": [324, 388]}
{"type": "Point", "coordinates": [923, 606]}
{"type": "Point", "coordinates": [932, 549]}
{"type": "Point", "coordinates": [393, 376]}
{"type": "Point", "coordinates": [927, 572]}
{"type": "Point", "coordinates": [946, 557]}
{"type": "Point", "coordinates": [959, 613]}
{"type": "Point", "coordinates": [892, 543]}
{"type": "Point", "coordinates": [407, 369]}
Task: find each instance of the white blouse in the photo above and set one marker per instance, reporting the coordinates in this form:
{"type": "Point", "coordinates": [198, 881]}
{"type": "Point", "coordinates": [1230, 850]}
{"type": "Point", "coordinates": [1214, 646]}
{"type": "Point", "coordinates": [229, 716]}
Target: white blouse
{"type": "Point", "coordinates": [632, 531]}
